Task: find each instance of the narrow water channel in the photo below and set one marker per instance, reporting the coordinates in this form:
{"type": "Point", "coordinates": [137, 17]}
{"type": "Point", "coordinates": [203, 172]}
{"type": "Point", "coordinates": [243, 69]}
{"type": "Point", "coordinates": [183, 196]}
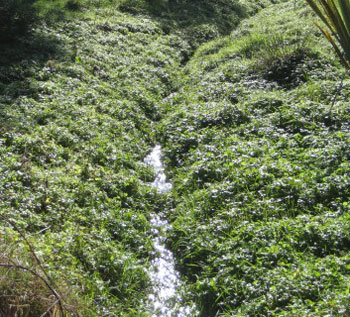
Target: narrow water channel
{"type": "Point", "coordinates": [166, 297]}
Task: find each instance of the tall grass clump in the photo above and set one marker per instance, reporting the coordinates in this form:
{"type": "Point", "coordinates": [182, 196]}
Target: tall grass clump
{"type": "Point", "coordinates": [26, 287]}
{"type": "Point", "coordinates": [336, 16]}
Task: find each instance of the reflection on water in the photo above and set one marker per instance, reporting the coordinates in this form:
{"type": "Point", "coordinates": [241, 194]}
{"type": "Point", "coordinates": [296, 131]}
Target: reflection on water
{"type": "Point", "coordinates": [154, 159]}
{"type": "Point", "coordinates": [166, 297]}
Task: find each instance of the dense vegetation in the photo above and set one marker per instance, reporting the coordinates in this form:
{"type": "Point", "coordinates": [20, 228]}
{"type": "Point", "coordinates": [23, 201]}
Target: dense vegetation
{"type": "Point", "coordinates": [257, 153]}
{"type": "Point", "coordinates": [78, 99]}
{"type": "Point", "coordinates": [259, 161]}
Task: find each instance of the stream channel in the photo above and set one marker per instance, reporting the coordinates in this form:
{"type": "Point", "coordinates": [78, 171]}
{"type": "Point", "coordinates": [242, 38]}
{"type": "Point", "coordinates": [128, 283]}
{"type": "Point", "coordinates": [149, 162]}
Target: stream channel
{"type": "Point", "coordinates": [166, 298]}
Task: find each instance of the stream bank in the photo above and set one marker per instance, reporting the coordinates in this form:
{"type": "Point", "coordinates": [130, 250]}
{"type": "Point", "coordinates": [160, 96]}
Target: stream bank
{"type": "Point", "coordinates": [79, 100]}
{"type": "Point", "coordinates": [260, 174]}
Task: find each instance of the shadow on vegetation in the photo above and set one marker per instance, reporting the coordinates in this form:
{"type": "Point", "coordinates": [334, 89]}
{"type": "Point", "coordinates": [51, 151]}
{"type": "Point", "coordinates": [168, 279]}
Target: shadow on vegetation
{"type": "Point", "coordinates": [200, 20]}
{"type": "Point", "coordinates": [20, 61]}
{"type": "Point", "coordinates": [27, 53]}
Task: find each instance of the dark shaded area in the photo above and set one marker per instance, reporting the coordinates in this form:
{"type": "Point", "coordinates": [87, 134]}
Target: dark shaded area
{"type": "Point", "coordinates": [16, 18]}
{"type": "Point", "coordinates": [292, 69]}
{"type": "Point", "coordinates": [30, 50]}
{"type": "Point", "coordinates": [200, 20]}
{"type": "Point", "coordinates": [20, 61]}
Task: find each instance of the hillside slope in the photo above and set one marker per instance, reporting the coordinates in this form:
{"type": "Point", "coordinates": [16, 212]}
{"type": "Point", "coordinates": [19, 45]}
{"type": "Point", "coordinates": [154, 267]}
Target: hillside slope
{"type": "Point", "coordinates": [79, 102]}
{"type": "Point", "coordinates": [258, 150]}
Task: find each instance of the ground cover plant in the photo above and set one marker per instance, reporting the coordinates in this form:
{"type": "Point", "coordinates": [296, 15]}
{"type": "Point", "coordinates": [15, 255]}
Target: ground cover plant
{"type": "Point", "coordinates": [19, 17]}
{"type": "Point", "coordinates": [259, 161]}
{"type": "Point", "coordinates": [257, 152]}
{"type": "Point", "coordinates": [77, 107]}
{"type": "Point", "coordinates": [79, 102]}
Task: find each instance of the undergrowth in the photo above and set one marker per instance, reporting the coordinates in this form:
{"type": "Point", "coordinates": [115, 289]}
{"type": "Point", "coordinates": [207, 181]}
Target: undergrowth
{"type": "Point", "coordinates": [258, 158]}
{"type": "Point", "coordinates": [259, 162]}
{"type": "Point", "coordinates": [77, 102]}
{"type": "Point", "coordinates": [79, 99]}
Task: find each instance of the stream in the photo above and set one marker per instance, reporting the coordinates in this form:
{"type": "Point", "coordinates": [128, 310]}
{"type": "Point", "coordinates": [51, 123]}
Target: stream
{"type": "Point", "coordinates": [166, 299]}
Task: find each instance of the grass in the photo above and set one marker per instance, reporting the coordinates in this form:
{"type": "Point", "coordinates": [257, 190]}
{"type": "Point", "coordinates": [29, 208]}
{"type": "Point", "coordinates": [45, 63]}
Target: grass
{"type": "Point", "coordinates": [259, 163]}
{"type": "Point", "coordinates": [79, 99]}
{"type": "Point", "coordinates": [76, 125]}
{"type": "Point", "coordinates": [260, 171]}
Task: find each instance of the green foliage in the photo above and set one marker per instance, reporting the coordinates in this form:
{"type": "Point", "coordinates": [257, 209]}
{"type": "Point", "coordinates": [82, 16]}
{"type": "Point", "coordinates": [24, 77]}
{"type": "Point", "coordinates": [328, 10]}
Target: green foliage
{"type": "Point", "coordinates": [200, 21]}
{"type": "Point", "coordinates": [259, 207]}
{"type": "Point", "coordinates": [336, 16]}
{"type": "Point", "coordinates": [260, 224]}
{"type": "Point", "coordinates": [76, 114]}
{"type": "Point", "coordinates": [58, 9]}
{"type": "Point", "coordinates": [79, 101]}
{"type": "Point", "coordinates": [134, 6]}
{"type": "Point", "coordinates": [16, 18]}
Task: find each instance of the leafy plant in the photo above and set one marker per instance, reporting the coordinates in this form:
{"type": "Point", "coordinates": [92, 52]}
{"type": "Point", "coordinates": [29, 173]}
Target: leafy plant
{"type": "Point", "coordinates": [255, 230]}
{"type": "Point", "coordinates": [336, 16]}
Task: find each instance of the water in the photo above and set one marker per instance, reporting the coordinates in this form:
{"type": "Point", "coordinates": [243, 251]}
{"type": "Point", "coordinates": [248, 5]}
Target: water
{"type": "Point", "coordinates": [166, 297]}
{"type": "Point", "coordinates": [154, 159]}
